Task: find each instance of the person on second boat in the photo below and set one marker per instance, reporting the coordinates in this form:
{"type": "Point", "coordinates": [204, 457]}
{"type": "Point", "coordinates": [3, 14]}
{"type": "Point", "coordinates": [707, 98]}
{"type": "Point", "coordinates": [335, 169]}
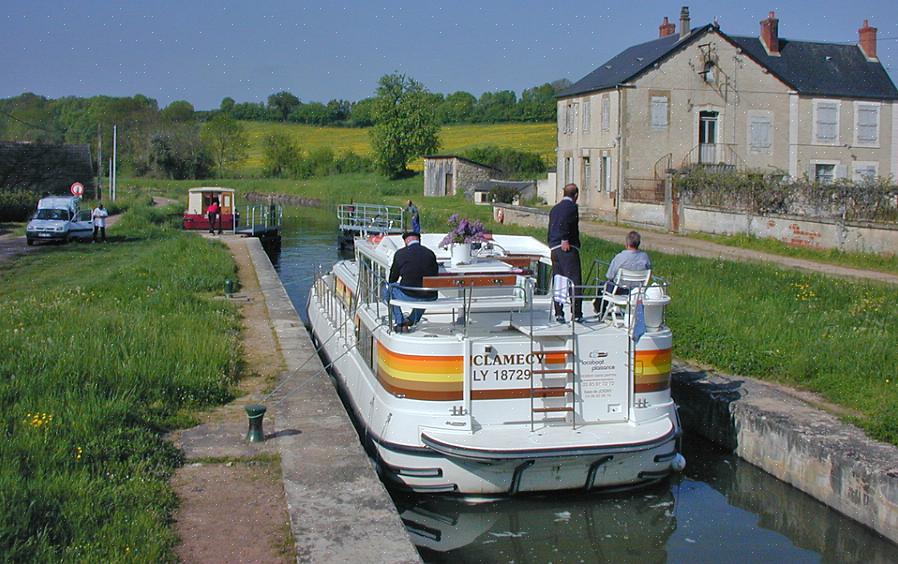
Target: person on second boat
{"type": "Point", "coordinates": [564, 241]}
{"type": "Point", "coordinates": [410, 265]}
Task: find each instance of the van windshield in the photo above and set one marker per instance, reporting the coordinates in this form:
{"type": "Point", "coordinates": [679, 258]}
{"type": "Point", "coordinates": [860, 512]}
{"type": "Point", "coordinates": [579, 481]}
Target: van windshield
{"type": "Point", "coordinates": [52, 214]}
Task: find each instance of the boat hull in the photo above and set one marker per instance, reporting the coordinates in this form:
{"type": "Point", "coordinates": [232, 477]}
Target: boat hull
{"type": "Point", "coordinates": [415, 450]}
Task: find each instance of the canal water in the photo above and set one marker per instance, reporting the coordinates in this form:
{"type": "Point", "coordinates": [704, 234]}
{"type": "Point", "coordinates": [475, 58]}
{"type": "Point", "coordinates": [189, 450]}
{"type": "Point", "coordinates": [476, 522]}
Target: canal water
{"type": "Point", "coordinates": [719, 508]}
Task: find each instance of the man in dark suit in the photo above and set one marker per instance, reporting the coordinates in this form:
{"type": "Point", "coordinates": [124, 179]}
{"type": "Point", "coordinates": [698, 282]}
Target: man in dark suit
{"type": "Point", "coordinates": [564, 240]}
{"type": "Point", "coordinates": [410, 265]}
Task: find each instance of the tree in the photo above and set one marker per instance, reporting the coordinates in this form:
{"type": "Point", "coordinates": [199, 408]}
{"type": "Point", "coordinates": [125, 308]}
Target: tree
{"type": "Point", "coordinates": [280, 155]}
{"type": "Point", "coordinates": [177, 153]}
{"type": "Point", "coordinates": [458, 107]}
{"type": "Point", "coordinates": [179, 111]}
{"type": "Point", "coordinates": [405, 124]}
{"type": "Point", "coordinates": [282, 103]}
{"type": "Point", "coordinates": [362, 113]}
{"type": "Point", "coordinates": [226, 139]}
{"type": "Point", "coordinates": [227, 105]}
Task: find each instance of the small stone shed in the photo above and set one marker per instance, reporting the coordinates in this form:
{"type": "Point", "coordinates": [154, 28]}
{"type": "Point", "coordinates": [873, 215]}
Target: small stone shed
{"type": "Point", "coordinates": [447, 175]}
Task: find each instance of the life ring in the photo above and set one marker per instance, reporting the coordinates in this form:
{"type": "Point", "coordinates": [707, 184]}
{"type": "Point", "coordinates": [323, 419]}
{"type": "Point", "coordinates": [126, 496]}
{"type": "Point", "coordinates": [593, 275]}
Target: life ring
{"type": "Point", "coordinates": [500, 215]}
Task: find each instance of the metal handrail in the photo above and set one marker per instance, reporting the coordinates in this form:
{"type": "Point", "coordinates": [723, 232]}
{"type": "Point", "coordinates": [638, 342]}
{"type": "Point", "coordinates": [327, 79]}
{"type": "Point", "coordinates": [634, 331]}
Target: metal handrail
{"type": "Point", "coordinates": [467, 297]}
{"type": "Point", "coordinates": [378, 218]}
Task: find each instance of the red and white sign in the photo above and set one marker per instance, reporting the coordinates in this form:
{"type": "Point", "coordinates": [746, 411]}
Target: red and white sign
{"type": "Point", "coordinates": [77, 189]}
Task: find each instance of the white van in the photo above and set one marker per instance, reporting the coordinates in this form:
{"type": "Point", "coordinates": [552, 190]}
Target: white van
{"type": "Point", "coordinates": [59, 218]}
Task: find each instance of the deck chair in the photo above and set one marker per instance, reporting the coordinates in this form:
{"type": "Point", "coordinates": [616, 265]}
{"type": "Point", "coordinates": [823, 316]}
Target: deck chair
{"type": "Point", "coordinates": [615, 299]}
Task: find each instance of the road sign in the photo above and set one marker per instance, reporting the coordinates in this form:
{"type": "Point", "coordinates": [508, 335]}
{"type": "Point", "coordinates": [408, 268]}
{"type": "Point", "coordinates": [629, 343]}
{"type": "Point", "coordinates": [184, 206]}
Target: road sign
{"type": "Point", "coordinates": [77, 189]}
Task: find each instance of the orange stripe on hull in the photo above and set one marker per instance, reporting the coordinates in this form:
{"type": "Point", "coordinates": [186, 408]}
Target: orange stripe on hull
{"type": "Point", "coordinates": [652, 371]}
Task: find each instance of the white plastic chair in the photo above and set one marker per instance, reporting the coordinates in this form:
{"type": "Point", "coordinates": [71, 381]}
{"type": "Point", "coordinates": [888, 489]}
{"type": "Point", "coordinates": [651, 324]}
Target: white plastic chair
{"type": "Point", "coordinates": [616, 300]}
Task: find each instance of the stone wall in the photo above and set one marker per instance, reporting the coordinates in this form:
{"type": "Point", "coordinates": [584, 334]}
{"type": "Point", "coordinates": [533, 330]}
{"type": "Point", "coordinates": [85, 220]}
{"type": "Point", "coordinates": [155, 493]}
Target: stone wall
{"type": "Point", "coordinates": [467, 175]}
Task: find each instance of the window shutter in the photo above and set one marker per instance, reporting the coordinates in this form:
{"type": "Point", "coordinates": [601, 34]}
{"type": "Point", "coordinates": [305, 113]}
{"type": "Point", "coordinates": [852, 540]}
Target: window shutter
{"type": "Point", "coordinates": [659, 111]}
{"type": "Point", "coordinates": [606, 113]}
{"type": "Point", "coordinates": [761, 134]}
{"type": "Point", "coordinates": [867, 124]}
{"type": "Point", "coordinates": [827, 122]}
{"type": "Point", "coordinates": [841, 171]}
{"type": "Point", "coordinates": [587, 114]}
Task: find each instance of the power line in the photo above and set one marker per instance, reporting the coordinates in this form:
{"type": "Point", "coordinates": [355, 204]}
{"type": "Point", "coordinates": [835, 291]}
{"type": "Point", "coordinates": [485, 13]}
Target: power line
{"type": "Point", "coordinates": [9, 115]}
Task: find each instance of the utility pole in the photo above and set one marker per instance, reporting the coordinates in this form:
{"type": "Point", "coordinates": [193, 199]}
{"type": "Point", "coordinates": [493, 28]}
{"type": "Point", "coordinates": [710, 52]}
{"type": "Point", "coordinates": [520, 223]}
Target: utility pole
{"type": "Point", "coordinates": [114, 160]}
{"type": "Point", "coordinates": [99, 190]}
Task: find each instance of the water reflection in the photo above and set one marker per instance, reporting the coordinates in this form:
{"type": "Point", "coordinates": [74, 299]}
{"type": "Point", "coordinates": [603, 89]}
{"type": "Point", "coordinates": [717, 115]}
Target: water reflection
{"type": "Point", "coordinates": [721, 508]}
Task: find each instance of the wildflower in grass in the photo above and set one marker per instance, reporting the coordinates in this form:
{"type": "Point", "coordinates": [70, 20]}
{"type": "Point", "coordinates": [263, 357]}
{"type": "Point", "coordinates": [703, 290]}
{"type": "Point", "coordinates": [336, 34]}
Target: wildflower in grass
{"type": "Point", "coordinates": [39, 420]}
{"type": "Point", "coordinates": [78, 453]}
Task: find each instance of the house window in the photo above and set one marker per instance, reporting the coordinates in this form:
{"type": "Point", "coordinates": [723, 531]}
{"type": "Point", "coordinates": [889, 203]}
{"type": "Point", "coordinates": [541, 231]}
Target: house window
{"type": "Point", "coordinates": [866, 120]}
{"type": "Point", "coordinates": [570, 121]}
{"type": "Point", "coordinates": [826, 122]}
{"type": "Point", "coordinates": [865, 171]}
{"type": "Point", "coordinates": [587, 173]}
{"type": "Point", "coordinates": [587, 114]}
{"type": "Point", "coordinates": [606, 113]}
{"type": "Point", "coordinates": [659, 112]}
{"type": "Point", "coordinates": [606, 174]}
{"type": "Point", "coordinates": [760, 134]}
{"type": "Point", "coordinates": [824, 173]}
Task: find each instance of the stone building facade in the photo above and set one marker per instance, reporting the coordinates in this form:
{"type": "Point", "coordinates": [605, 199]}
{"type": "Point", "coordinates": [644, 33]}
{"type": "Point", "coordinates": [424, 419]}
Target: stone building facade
{"type": "Point", "coordinates": [446, 175]}
{"type": "Point", "coordinates": [703, 97]}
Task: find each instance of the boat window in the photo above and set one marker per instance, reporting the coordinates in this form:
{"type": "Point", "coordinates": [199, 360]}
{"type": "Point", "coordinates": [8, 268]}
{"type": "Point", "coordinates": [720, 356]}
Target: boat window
{"type": "Point", "coordinates": [365, 342]}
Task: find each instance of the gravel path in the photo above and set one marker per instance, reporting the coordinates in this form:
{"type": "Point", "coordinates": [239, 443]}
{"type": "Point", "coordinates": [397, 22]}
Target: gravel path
{"type": "Point", "coordinates": [679, 245]}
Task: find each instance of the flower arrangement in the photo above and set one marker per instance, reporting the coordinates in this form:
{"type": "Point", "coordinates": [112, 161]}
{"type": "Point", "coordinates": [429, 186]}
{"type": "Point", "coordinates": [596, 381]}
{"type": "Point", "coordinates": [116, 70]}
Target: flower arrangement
{"type": "Point", "coordinates": [463, 230]}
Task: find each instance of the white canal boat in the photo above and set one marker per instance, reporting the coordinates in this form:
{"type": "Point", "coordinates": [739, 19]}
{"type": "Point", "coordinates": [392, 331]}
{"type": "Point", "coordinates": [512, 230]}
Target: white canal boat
{"type": "Point", "coordinates": [488, 394]}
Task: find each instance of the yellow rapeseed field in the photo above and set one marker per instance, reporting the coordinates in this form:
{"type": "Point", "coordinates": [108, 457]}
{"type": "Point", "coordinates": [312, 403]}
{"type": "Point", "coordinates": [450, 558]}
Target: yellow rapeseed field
{"type": "Point", "coordinates": [537, 137]}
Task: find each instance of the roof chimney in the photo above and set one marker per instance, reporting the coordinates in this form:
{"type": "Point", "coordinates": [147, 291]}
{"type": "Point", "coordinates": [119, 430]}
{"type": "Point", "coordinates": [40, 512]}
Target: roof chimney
{"type": "Point", "coordinates": [684, 22]}
{"type": "Point", "coordinates": [666, 28]}
{"type": "Point", "coordinates": [770, 36]}
{"type": "Point", "coordinates": [867, 41]}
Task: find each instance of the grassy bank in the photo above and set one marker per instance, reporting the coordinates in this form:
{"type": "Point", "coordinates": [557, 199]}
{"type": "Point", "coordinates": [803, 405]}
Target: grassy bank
{"type": "Point", "coordinates": [102, 348]}
{"type": "Point", "coordinates": [535, 137]}
{"type": "Point", "coordinates": [831, 336]}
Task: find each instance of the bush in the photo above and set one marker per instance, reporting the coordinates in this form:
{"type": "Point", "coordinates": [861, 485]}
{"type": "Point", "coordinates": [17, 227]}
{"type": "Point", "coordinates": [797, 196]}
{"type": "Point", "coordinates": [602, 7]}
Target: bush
{"type": "Point", "coordinates": [776, 193]}
{"type": "Point", "coordinates": [280, 155]}
{"type": "Point", "coordinates": [514, 163]}
{"type": "Point", "coordinates": [17, 205]}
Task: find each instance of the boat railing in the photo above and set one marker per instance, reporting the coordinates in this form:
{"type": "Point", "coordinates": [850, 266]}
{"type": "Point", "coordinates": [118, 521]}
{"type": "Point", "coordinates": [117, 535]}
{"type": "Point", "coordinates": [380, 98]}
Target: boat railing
{"type": "Point", "coordinates": [461, 296]}
{"type": "Point", "coordinates": [371, 218]}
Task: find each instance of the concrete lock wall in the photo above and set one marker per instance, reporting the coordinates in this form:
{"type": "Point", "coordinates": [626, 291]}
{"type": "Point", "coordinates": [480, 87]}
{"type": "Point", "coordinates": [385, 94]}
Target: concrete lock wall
{"type": "Point", "coordinates": [795, 230]}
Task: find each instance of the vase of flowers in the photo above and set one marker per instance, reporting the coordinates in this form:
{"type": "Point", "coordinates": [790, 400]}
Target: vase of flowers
{"type": "Point", "coordinates": [462, 234]}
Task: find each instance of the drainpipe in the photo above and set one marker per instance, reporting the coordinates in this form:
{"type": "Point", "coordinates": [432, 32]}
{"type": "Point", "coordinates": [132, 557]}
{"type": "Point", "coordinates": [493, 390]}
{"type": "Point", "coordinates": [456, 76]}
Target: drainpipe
{"type": "Point", "coordinates": [620, 141]}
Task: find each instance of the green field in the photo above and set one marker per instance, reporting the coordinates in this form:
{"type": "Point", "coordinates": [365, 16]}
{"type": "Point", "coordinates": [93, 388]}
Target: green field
{"type": "Point", "coordinates": [102, 349]}
{"type": "Point", "coordinates": [535, 137]}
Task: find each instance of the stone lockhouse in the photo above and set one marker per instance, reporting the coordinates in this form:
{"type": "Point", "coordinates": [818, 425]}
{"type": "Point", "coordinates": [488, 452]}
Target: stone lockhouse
{"type": "Point", "coordinates": [702, 96]}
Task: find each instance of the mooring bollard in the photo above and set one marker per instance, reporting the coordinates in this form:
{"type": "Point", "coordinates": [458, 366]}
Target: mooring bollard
{"type": "Point", "coordinates": [255, 412]}
{"type": "Point", "coordinates": [229, 287]}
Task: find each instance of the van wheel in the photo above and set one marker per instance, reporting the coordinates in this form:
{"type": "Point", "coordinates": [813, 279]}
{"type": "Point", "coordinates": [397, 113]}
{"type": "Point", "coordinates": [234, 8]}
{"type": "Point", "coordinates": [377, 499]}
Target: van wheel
{"type": "Point", "coordinates": [67, 240]}
{"type": "Point", "coordinates": [29, 242]}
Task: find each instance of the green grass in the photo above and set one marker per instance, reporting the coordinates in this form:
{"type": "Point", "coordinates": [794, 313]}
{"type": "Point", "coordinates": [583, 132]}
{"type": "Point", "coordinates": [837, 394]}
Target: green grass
{"type": "Point", "coordinates": [867, 261]}
{"type": "Point", "coordinates": [535, 137]}
{"type": "Point", "coordinates": [102, 348]}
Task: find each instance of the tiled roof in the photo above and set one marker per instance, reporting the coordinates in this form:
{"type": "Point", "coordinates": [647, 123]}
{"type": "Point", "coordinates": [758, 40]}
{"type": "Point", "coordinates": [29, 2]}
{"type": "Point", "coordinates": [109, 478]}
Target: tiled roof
{"type": "Point", "coordinates": [44, 168]}
{"type": "Point", "coordinates": [815, 69]}
{"type": "Point", "coordinates": [823, 69]}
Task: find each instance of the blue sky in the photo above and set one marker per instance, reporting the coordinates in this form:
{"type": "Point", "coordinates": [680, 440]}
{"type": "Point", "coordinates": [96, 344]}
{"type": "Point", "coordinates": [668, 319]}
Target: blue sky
{"type": "Point", "coordinates": [203, 51]}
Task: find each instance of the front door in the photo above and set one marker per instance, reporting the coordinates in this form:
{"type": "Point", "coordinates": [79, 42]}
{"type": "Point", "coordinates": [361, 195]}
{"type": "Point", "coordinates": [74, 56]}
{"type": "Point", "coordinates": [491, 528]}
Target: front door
{"type": "Point", "coordinates": [707, 137]}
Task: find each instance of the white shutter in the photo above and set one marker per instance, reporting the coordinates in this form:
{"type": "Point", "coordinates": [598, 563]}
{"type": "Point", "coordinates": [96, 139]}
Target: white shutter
{"type": "Point", "coordinates": [587, 114]}
{"type": "Point", "coordinates": [827, 122]}
{"type": "Point", "coordinates": [841, 171]}
{"type": "Point", "coordinates": [659, 111]}
{"type": "Point", "coordinates": [606, 113]}
{"type": "Point", "coordinates": [761, 134]}
{"type": "Point", "coordinates": [867, 124]}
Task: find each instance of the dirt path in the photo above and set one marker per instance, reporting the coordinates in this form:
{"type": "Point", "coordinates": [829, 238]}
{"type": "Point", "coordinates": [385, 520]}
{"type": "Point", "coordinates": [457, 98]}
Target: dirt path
{"type": "Point", "coordinates": [232, 498]}
{"type": "Point", "coordinates": [679, 245]}
{"type": "Point", "coordinates": [12, 245]}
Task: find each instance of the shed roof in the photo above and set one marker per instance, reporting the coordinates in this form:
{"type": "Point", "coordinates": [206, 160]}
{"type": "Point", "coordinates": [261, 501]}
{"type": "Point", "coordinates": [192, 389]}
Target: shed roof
{"type": "Point", "coordinates": [516, 185]}
{"type": "Point", "coordinates": [43, 167]}
{"type": "Point", "coordinates": [811, 68]}
{"type": "Point", "coordinates": [469, 161]}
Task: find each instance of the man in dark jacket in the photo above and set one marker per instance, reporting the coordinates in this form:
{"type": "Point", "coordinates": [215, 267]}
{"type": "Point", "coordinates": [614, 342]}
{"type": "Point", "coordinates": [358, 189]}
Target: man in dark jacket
{"type": "Point", "coordinates": [564, 240]}
{"type": "Point", "coordinates": [410, 265]}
